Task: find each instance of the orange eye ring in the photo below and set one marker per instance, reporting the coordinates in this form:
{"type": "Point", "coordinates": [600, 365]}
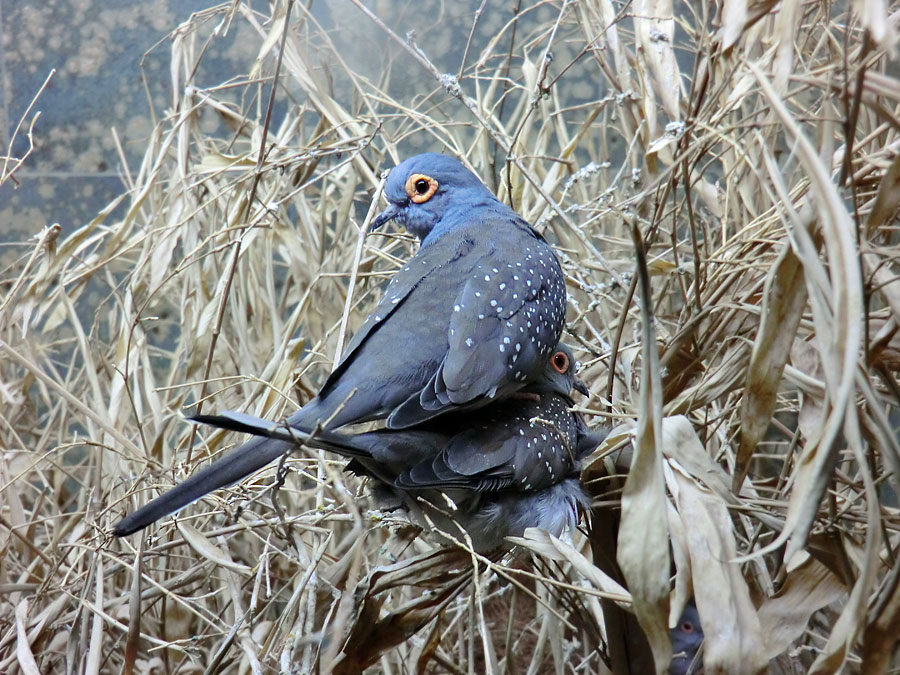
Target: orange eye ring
{"type": "Point", "coordinates": [560, 362]}
{"type": "Point", "coordinates": [420, 187]}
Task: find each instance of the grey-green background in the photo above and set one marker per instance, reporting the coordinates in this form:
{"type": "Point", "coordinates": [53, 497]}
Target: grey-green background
{"type": "Point", "coordinates": [111, 61]}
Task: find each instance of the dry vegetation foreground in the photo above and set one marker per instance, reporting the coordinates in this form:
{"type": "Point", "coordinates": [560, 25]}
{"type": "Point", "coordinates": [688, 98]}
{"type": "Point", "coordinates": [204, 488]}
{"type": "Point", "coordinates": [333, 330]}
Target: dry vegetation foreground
{"type": "Point", "coordinates": [755, 148]}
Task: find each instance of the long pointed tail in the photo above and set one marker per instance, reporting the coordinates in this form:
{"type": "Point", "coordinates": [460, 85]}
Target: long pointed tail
{"type": "Point", "coordinates": [273, 440]}
{"type": "Point", "coordinates": [250, 457]}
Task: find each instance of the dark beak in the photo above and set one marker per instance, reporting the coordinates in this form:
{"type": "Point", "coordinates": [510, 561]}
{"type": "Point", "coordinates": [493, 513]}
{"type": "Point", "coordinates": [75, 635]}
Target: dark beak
{"type": "Point", "coordinates": [388, 214]}
{"type": "Point", "coordinates": [581, 387]}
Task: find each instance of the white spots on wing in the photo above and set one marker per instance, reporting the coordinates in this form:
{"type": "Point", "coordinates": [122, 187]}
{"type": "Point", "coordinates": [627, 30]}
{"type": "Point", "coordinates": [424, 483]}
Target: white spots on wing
{"type": "Point", "coordinates": [456, 308]}
{"type": "Point", "coordinates": [469, 342]}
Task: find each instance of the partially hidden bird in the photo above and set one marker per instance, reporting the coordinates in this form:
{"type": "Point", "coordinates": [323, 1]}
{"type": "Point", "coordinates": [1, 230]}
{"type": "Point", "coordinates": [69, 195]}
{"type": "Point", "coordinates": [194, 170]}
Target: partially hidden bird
{"type": "Point", "coordinates": [506, 467]}
{"type": "Point", "coordinates": [471, 318]}
{"type": "Point", "coordinates": [687, 638]}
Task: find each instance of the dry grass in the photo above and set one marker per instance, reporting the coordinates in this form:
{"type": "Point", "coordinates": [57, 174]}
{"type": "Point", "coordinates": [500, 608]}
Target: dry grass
{"type": "Point", "coordinates": [766, 187]}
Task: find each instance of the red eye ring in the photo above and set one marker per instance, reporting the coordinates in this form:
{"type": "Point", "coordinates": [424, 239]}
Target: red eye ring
{"type": "Point", "coordinates": [560, 362]}
{"type": "Point", "coordinates": [420, 188]}
{"type": "Point", "coordinates": [687, 627]}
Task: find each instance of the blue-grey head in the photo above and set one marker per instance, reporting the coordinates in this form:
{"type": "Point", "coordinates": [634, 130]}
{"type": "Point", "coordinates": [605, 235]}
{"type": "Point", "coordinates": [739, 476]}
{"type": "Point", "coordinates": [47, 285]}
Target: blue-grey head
{"type": "Point", "coordinates": [559, 376]}
{"type": "Point", "coordinates": [687, 637]}
{"type": "Point", "coordinates": [430, 193]}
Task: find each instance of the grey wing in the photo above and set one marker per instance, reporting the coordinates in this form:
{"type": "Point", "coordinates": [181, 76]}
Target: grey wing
{"type": "Point", "coordinates": [398, 289]}
{"type": "Point", "coordinates": [527, 447]}
{"type": "Point", "coordinates": [505, 321]}
{"type": "Point", "coordinates": [472, 461]}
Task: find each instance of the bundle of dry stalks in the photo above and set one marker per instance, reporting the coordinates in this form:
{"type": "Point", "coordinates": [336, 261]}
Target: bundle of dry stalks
{"type": "Point", "coordinates": [756, 149]}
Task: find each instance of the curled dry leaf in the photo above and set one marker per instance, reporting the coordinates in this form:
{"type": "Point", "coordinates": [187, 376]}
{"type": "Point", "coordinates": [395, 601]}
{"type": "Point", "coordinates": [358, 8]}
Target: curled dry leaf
{"type": "Point", "coordinates": [643, 541]}
{"type": "Point", "coordinates": [203, 547]}
{"type": "Point", "coordinates": [734, 17]}
{"type": "Point", "coordinates": [805, 358]}
{"type": "Point", "coordinates": [24, 655]}
{"type": "Point", "coordinates": [684, 583]}
{"type": "Point", "coordinates": [545, 544]}
{"type": "Point", "coordinates": [783, 305]}
{"type": "Point", "coordinates": [873, 15]}
{"type": "Point", "coordinates": [442, 575]}
{"type": "Point", "coordinates": [733, 639]}
{"type": "Point", "coordinates": [785, 616]}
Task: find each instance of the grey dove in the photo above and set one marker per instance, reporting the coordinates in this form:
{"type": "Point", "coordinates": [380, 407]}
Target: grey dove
{"type": "Point", "coordinates": [470, 319]}
{"type": "Point", "coordinates": [508, 466]}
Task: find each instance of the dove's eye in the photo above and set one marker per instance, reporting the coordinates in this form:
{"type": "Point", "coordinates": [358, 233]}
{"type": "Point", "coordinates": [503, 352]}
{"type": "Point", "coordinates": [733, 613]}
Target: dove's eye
{"type": "Point", "coordinates": [560, 362]}
{"type": "Point", "coordinates": [420, 187]}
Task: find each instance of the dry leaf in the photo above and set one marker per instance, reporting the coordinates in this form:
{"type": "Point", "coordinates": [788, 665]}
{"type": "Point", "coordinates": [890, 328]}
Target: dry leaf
{"type": "Point", "coordinates": [783, 305]}
{"type": "Point", "coordinates": [207, 550]}
{"type": "Point", "coordinates": [733, 641]}
{"type": "Point", "coordinates": [785, 616]}
{"type": "Point", "coordinates": [643, 542]}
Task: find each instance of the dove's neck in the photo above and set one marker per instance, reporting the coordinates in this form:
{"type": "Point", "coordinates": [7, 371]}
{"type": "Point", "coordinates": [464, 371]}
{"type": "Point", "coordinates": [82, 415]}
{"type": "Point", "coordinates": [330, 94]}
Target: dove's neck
{"type": "Point", "coordinates": [485, 208]}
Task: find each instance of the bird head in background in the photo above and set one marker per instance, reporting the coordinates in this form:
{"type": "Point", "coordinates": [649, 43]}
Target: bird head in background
{"type": "Point", "coordinates": [558, 376]}
{"type": "Point", "coordinates": [429, 193]}
{"type": "Point", "coordinates": [687, 638]}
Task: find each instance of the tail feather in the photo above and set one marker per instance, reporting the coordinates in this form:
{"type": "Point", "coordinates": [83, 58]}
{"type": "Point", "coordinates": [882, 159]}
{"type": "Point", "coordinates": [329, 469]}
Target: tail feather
{"type": "Point", "coordinates": [322, 439]}
{"type": "Point", "coordinates": [271, 442]}
{"type": "Point", "coordinates": [250, 457]}
{"type": "Point", "coordinates": [231, 420]}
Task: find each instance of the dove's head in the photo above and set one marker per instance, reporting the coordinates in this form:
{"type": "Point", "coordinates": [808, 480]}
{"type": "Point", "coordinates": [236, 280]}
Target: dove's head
{"type": "Point", "coordinates": [429, 190]}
